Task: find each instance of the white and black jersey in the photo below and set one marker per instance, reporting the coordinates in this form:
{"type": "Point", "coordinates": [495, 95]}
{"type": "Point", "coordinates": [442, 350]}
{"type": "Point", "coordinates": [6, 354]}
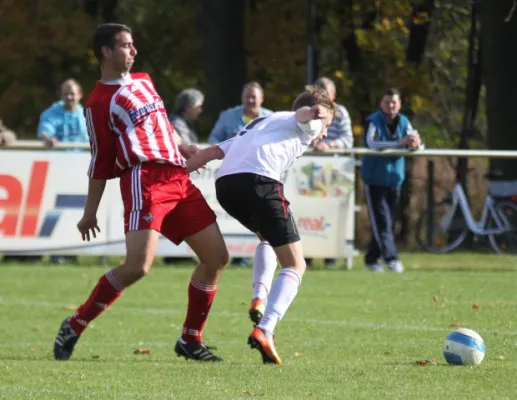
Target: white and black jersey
{"type": "Point", "coordinates": [248, 183]}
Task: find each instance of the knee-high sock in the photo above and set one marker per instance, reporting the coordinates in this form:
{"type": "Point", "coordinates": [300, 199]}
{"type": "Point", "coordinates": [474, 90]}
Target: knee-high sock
{"type": "Point", "coordinates": [200, 299]}
{"type": "Point", "coordinates": [264, 266]}
{"type": "Point", "coordinates": [102, 296]}
{"type": "Point", "coordinates": [282, 294]}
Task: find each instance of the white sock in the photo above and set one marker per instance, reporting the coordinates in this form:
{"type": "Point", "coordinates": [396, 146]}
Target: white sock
{"type": "Point", "coordinates": [282, 294]}
{"type": "Point", "coordinates": [264, 266]}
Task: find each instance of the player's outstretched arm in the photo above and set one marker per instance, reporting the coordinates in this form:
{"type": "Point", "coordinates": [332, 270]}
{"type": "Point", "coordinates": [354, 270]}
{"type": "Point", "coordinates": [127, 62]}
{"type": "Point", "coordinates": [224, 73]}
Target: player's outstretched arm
{"type": "Point", "coordinates": [204, 156]}
{"type": "Point", "coordinates": [88, 222]}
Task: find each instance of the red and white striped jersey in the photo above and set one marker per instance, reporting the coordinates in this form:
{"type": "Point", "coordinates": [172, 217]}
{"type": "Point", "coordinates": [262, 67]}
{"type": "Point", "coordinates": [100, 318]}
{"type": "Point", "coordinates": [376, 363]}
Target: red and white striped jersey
{"type": "Point", "coordinates": [128, 125]}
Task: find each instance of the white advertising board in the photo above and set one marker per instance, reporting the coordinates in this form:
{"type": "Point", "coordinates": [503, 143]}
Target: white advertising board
{"type": "Point", "coordinates": [42, 194]}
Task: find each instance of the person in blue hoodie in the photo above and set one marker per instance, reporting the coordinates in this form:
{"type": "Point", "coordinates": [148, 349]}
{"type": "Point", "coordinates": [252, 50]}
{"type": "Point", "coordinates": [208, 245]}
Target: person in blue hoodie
{"type": "Point", "coordinates": [383, 176]}
{"type": "Point", "coordinates": [64, 120]}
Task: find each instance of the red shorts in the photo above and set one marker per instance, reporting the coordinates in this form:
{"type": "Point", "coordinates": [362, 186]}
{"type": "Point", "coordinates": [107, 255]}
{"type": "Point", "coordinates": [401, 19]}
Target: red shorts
{"type": "Point", "coordinates": [162, 197]}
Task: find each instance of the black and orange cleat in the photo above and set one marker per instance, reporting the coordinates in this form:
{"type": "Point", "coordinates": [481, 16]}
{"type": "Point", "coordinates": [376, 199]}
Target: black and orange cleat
{"type": "Point", "coordinates": [256, 311]}
{"type": "Point", "coordinates": [258, 340]}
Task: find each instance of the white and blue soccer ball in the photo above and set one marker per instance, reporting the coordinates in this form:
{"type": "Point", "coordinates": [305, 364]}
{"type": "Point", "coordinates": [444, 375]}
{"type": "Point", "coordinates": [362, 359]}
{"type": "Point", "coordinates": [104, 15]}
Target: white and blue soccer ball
{"type": "Point", "coordinates": [464, 347]}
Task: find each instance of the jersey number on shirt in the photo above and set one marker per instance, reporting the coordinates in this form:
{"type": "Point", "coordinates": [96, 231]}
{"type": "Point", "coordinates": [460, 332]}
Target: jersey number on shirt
{"type": "Point", "coordinates": [251, 125]}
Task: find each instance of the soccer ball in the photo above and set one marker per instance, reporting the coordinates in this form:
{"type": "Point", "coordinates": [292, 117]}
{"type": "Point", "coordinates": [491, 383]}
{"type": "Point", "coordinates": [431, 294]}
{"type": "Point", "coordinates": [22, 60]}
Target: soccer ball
{"type": "Point", "coordinates": [464, 347]}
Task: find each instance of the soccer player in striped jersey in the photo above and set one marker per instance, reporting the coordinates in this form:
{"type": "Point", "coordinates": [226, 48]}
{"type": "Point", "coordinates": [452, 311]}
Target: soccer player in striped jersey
{"type": "Point", "coordinates": [249, 188]}
{"type": "Point", "coordinates": [131, 138]}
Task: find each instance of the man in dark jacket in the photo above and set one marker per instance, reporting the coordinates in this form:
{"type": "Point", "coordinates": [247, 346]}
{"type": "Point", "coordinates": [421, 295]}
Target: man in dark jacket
{"type": "Point", "coordinates": [383, 176]}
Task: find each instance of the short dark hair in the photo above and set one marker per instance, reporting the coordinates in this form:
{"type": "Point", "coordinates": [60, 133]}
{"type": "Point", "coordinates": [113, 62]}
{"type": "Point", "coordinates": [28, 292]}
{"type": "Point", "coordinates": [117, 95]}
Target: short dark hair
{"type": "Point", "coordinates": [104, 35]}
{"type": "Point", "coordinates": [392, 92]}
{"type": "Point", "coordinates": [253, 85]}
{"type": "Point", "coordinates": [313, 96]}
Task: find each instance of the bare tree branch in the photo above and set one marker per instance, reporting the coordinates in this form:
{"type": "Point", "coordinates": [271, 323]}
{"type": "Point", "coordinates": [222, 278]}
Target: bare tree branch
{"type": "Point", "coordinates": [510, 14]}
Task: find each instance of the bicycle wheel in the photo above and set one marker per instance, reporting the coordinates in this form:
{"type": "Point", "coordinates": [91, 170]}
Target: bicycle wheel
{"type": "Point", "coordinates": [438, 230]}
{"type": "Point", "coordinates": [506, 242]}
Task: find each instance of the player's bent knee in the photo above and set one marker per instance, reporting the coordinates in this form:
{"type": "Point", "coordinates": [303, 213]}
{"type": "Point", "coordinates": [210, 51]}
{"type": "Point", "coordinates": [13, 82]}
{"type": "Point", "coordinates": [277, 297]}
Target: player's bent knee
{"type": "Point", "coordinates": [209, 246]}
{"type": "Point", "coordinates": [291, 256]}
{"type": "Point", "coordinates": [136, 268]}
{"type": "Point", "coordinates": [141, 248]}
{"type": "Point", "coordinates": [218, 260]}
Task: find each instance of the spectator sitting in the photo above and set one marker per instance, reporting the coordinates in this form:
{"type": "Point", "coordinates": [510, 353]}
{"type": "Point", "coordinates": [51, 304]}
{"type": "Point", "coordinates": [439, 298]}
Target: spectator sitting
{"type": "Point", "coordinates": [187, 107]}
{"type": "Point", "coordinates": [7, 136]}
{"type": "Point", "coordinates": [232, 120]}
{"type": "Point", "coordinates": [339, 135]}
{"type": "Point", "coordinates": [64, 120]}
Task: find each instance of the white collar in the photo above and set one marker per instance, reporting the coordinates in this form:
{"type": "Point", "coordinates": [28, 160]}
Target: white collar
{"type": "Point", "coordinates": [120, 81]}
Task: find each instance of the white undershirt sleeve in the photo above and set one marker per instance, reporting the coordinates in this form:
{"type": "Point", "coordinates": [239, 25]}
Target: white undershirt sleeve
{"type": "Point", "coordinates": [378, 144]}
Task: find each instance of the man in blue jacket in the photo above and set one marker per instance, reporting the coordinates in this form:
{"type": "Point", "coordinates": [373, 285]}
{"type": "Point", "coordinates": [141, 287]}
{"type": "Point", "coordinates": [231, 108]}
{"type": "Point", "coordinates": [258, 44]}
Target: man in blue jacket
{"type": "Point", "coordinates": [232, 120]}
{"type": "Point", "coordinates": [64, 120]}
{"type": "Point", "coordinates": [383, 176]}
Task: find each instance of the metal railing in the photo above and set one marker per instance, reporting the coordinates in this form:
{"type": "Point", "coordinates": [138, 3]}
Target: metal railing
{"type": "Point", "coordinates": [37, 145]}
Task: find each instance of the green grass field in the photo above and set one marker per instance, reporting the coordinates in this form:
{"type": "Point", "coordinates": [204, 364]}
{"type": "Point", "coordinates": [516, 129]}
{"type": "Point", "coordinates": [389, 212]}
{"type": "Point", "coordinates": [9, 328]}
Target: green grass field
{"type": "Point", "coordinates": [349, 335]}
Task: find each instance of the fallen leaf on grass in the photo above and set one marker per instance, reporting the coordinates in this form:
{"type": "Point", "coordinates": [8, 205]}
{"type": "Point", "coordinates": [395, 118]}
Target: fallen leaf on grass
{"type": "Point", "coordinates": [500, 357]}
{"type": "Point", "coordinates": [142, 351]}
{"type": "Point", "coordinates": [296, 354]}
{"type": "Point", "coordinates": [248, 393]}
{"type": "Point", "coordinates": [71, 307]}
{"type": "Point", "coordinates": [456, 325]}
{"type": "Point", "coordinates": [435, 298]}
{"type": "Point", "coordinates": [427, 362]}
{"type": "Point", "coordinates": [476, 306]}
{"type": "Point", "coordinates": [32, 350]}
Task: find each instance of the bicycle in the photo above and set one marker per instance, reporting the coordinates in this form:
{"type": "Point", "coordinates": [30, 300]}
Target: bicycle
{"type": "Point", "coordinates": [444, 225]}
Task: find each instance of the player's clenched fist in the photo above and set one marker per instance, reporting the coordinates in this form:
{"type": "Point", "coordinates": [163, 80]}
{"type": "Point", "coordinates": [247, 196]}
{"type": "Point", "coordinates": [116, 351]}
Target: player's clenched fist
{"type": "Point", "coordinates": [319, 112]}
{"type": "Point", "coordinates": [86, 225]}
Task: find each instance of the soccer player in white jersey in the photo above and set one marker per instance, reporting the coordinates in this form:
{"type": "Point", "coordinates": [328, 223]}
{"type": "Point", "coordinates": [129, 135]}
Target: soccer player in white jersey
{"type": "Point", "coordinates": [249, 189]}
{"type": "Point", "coordinates": [131, 138]}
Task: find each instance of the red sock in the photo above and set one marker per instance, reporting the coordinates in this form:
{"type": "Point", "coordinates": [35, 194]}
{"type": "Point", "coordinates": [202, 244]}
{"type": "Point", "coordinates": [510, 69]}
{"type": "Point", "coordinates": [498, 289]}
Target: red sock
{"type": "Point", "coordinates": [102, 296]}
{"type": "Point", "coordinates": [200, 299]}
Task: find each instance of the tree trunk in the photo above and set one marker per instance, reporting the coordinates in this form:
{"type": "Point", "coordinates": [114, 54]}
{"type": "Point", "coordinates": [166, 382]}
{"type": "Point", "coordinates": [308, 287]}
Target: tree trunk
{"type": "Point", "coordinates": [418, 34]}
{"type": "Point", "coordinates": [221, 25]}
{"type": "Point", "coordinates": [470, 104]}
{"type": "Point", "coordinates": [315, 22]}
{"type": "Point", "coordinates": [498, 29]}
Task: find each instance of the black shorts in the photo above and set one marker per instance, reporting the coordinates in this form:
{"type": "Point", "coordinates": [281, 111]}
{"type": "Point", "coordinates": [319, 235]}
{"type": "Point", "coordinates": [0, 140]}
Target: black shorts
{"type": "Point", "coordinates": [258, 203]}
